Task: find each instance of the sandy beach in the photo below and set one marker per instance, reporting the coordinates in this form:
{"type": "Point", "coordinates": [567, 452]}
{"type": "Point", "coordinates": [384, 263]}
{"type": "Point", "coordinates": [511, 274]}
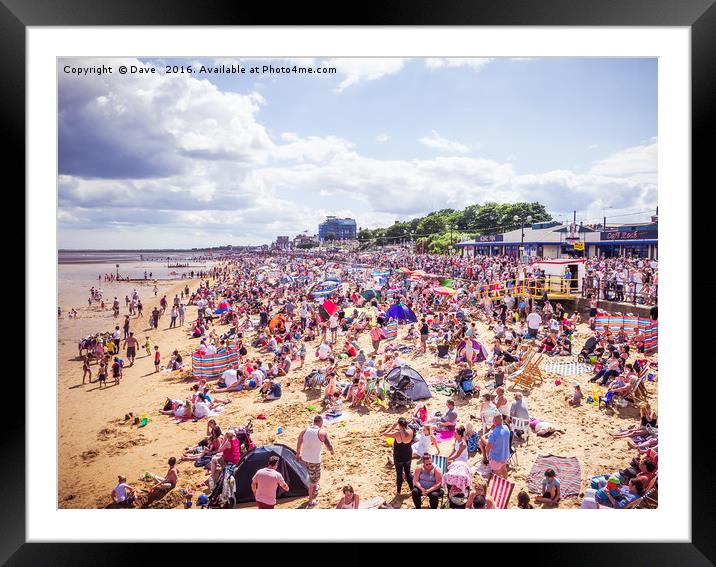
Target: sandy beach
{"type": "Point", "coordinates": [97, 440]}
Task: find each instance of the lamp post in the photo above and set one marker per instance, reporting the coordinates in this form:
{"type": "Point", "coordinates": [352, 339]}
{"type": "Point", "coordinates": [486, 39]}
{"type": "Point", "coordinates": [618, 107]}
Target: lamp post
{"type": "Point", "coordinates": [522, 220]}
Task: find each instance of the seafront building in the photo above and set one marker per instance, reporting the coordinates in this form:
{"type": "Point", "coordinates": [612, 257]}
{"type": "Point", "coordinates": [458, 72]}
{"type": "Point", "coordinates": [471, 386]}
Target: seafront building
{"type": "Point", "coordinates": [334, 228]}
{"type": "Point", "coordinates": [556, 240]}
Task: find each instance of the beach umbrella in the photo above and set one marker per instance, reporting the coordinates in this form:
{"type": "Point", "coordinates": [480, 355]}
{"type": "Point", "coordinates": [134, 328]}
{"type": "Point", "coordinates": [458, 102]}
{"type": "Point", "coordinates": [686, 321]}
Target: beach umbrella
{"type": "Point", "coordinates": [447, 283]}
{"type": "Point", "coordinates": [442, 290]}
{"type": "Point", "coordinates": [369, 294]}
{"type": "Point", "coordinates": [419, 274]}
{"type": "Point", "coordinates": [405, 271]}
{"type": "Point", "coordinates": [325, 288]}
{"type": "Point", "coordinates": [401, 312]}
{"type": "Point", "coordinates": [222, 307]}
{"type": "Point", "coordinates": [327, 309]}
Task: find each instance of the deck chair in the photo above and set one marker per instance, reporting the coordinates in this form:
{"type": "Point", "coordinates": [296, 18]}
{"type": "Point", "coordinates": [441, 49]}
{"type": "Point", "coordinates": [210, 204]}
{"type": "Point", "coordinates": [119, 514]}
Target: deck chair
{"type": "Point", "coordinates": [442, 354]}
{"type": "Point", "coordinates": [487, 419]}
{"type": "Point", "coordinates": [529, 374]}
{"type": "Point", "coordinates": [521, 424]}
{"type": "Point", "coordinates": [500, 489]}
{"type": "Point", "coordinates": [440, 462]}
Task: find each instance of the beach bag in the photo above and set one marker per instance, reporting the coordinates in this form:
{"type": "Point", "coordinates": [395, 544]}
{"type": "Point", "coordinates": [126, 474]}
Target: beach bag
{"type": "Point", "coordinates": [472, 443]}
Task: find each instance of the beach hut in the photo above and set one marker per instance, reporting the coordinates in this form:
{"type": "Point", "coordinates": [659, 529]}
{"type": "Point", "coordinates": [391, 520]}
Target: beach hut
{"type": "Point", "coordinates": [420, 389]}
{"type": "Point", "coordinates": [555, 282]}
{"type": "Point", "coordinates": [291, 469]}
{"type": "Point", "coordinates": [401, 312]}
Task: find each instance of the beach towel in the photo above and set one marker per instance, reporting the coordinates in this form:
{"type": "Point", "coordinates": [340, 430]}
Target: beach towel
{"type": "Point", "coordinates": [567, 368]}
{"type": "Point", "coordinates": [329, 419]}
{"type": "Point", "coordinates": [566, 468]}
{"type": "Point", "coordinates": [444, 435]}
{"type": "Point", "coordinates": [436, 379]}
{"type": "Point", "coordinates": [371, 503]}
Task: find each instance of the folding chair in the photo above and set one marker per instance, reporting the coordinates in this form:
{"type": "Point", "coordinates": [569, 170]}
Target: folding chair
{"type": "Point", "coordinates": [500, 489]}
{"type": "Point", "coordinates": [487, 419]}
{"type": "Point", "coordinates": [442, 354]}
{"type": "Point", "coordinates": [521, 424]}
{"type": "Point", "coordinates": [440, 462]}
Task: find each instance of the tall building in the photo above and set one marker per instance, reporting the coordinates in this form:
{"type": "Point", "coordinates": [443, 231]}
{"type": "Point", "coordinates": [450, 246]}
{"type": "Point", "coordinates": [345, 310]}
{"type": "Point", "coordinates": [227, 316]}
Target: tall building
{"type": "Point", "coordinates": [340, 229]}
{"type": "Point", "coordinates": [283, 242]}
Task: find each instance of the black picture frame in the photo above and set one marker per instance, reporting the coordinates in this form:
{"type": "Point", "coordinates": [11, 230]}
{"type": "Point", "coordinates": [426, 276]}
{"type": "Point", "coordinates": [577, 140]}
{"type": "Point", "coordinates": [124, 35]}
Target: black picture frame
{"type": "Point", "coordinates": [699, 15]}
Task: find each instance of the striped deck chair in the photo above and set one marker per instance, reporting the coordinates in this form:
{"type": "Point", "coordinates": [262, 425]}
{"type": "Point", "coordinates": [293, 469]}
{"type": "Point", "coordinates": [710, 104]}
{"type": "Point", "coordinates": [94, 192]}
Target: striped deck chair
{"type": "Point", "coordinates": [500, 489]}
{"type": "Point", "coordinates": [440, 462]}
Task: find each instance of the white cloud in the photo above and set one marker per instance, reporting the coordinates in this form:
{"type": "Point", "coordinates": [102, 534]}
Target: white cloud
{"type": "Point", "coordinates": [161, 159]}
{"type": "Point", "coordinates": [592, 146]}
{"type": "Point", "coordinates": [635, 161]}
{"type": "Point", "coordinates": [437, 142]}
{"type": "Point", "coordinates": [475, 63]}
{"type": "Point", "coordinates": [382, 138]}
{"type": "Point", "coordinates": [357, 70]}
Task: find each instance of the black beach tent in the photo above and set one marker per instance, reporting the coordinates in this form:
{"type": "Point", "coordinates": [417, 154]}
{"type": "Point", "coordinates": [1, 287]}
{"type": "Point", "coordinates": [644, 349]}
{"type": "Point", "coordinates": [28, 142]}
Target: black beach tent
{"type": "Point", "coordinates": [293, 472]}
{"type": "Point", "coordinates": [420, 389]}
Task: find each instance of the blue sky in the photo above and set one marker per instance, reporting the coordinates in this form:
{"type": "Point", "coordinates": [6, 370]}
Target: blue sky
{"type": "Point", "coordinates": [194, 160]}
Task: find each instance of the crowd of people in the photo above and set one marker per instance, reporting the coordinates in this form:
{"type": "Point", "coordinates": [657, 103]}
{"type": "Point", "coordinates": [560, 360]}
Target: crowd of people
{"type": "Point", "coordinates": [265, 305]}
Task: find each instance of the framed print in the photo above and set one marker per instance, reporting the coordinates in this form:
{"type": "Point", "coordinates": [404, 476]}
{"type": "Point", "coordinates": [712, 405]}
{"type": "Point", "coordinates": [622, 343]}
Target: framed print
{"type": "Point", "coordinates": [405, 266]}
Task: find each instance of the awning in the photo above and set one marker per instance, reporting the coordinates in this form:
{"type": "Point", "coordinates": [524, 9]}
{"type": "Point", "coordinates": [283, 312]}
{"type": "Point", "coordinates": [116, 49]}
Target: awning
{"type": "Point", "coordinates": [638, 241]}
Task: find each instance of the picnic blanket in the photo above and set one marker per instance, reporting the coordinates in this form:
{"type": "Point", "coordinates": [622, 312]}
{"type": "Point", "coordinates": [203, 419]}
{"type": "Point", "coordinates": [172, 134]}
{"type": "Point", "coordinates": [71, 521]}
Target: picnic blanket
{"type": "Point", "coordinates": [567, 368]}
{"type": "Point", "coordinates": [444, 435]}
{"type": "Point", "coordinates": [331, 419]}
{"type": "Point", "coordinates": [213, 413]}
{"type": "Point", "coordinates": [566, 468]}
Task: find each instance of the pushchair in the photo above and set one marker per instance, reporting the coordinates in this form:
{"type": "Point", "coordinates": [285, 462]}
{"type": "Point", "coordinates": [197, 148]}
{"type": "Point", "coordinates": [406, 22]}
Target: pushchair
{"type": "Point", "coordinates": [464, 383]}
{"type": "Point", "coordinates": [588, 349]}
{"type": "Point", "coordinates": [223, 493]}
{"type": "Point", "coordinates": [397, 396]}
{"type": "Point", "coordinates": [243, 434]}
{"type": "Point", "coordinates": [457, 480]}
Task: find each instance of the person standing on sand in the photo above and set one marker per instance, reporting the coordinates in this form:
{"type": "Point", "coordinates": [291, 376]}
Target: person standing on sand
{"type": "Point", "coordinates": [173, 317]}
{"type": "Point", "coordinates": [86, 370]}
{"type": "Point", "coordinates": [157, 358]}
{"type": "Point", "coordinates": [126, 326]}
{"type": "Point", "coordinates": [116, 336]}
{"type": "Point", "coordinates": [156, 289]}
{"type": "Point", "coordinates": [265, 483]}
{"type": "Point", "coordinates": [311, 441]}
{"type": "Point", "coordinates": [139, 309]}
{"type": "Point", "coordinates": [181, 312]}
{"type": "Point", "coordinates": [131, 343]}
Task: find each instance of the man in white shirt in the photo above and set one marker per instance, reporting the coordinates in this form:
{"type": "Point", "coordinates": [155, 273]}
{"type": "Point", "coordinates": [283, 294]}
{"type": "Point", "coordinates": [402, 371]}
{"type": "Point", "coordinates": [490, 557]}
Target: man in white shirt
{"type": "Point", "coordinates": [211, 348]}
{"type": "Point", "coordinates": [324, 351]}
{"type": "Point", "coordinates": [533, 324]}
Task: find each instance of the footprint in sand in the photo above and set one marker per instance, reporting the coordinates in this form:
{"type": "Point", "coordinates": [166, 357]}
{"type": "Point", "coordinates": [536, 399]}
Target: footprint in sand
{"type": "Point", "coordinates": [90, 454]}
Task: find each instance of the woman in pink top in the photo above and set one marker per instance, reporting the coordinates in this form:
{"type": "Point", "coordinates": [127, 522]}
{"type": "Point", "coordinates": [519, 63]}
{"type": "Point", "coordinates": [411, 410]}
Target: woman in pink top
{"type": "Point", "coordinates": [228, 452]}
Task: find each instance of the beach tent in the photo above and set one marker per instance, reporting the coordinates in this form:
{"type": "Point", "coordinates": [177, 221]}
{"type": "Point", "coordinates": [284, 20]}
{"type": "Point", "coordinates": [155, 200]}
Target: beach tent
{"type": "Point", "coordinates": [420, 389]}
{"type": "Point", "coordinates": [369, 294]}
{"type": "Point", "coordinates": [292, 471]}
{"type": "Point", "coordinates": [278, 321]}
{"type": "Point", "coordinates": [479, 352]}
{"type": "Point", "coordinates": [327, 309]}
{"type": "Point", "coordinates": [401, 313]}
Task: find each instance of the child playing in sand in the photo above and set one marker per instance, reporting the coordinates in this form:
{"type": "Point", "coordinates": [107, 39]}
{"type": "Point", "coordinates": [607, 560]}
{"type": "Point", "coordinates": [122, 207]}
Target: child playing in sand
{"type": "Point", "coordinates": [168, 481]}
{"type": "Point", "coordinates": [157, 358]}
{"type": "Point", "coordinates": [123, 494]}
{"type": "Point", "coordinates": [148, 346]}
{"type": "Point", "coordinates": [550, 489]}
{"type": "Point", "coordinates": [335, 405]}
{"type": "Point", "coordinates": [576, 399]}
